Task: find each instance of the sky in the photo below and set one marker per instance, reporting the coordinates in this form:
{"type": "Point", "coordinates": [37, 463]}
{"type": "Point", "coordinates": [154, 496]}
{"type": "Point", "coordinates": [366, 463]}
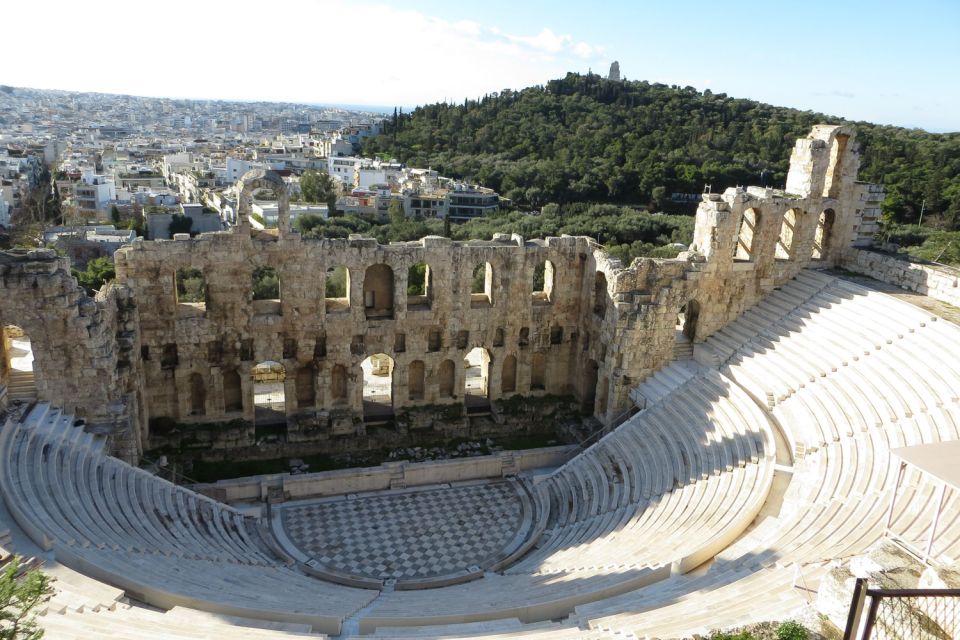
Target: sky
{"type": "Point", "coordinates": [881, 61]}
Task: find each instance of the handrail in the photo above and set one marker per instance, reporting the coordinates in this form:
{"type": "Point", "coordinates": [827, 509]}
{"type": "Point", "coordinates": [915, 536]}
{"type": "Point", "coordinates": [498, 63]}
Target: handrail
{"type": "Point", "coordinates": [860, 626]}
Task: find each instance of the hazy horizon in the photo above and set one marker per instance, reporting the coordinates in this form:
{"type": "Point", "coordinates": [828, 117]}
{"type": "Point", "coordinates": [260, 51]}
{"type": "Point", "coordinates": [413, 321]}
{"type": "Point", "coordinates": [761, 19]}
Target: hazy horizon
{"type": "Point", "coordinates": [881, 62]}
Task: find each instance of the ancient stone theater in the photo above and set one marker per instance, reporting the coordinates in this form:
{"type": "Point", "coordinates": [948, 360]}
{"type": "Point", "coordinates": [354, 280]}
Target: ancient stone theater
{"type": "Point", "coordinates": [760, 410]}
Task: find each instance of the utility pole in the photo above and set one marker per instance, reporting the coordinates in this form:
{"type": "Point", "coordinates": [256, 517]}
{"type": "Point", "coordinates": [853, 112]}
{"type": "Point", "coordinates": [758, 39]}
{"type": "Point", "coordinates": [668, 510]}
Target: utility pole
{"type": "Point", "coordinates": [922, 206]}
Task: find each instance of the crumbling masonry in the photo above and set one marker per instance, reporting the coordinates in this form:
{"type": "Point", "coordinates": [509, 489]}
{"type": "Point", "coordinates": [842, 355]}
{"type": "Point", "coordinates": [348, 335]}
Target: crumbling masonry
{"type": "Point", "coordinates": [592, 330]}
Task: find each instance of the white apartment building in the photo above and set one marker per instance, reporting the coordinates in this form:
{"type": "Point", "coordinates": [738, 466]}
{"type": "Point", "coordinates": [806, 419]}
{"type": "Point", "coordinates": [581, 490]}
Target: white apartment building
{"type": "Point", "coordinates": [94, 193]}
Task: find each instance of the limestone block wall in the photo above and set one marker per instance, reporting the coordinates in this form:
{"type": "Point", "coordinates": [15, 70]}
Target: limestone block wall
{"type": "Point", "coordinates": [325, 342]}
{"type": "Point", "coordinates": [940, 283]}
{"type": "Point", "coordinates": [593, 330]}
{"type": "Point", "coordinates": [82, 347]}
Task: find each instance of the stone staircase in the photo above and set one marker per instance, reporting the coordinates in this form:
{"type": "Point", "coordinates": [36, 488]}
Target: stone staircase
{"type": "Point", "coordinates": [683, 348]}
{"type": "Point", "coordinates": [21, 386]}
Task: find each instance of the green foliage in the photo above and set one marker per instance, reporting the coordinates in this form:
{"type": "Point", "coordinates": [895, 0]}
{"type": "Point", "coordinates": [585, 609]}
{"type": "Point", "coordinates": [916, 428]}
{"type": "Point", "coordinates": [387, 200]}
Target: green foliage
{"type": "Point", "coordinates": [180, 224]}
{"type": "Point", "coordinates": [791, 630]}
{"type": "Point", "coordinates": [336, 286]}
{"type": "Point", "coordinates": [115, 214]}
{"type": "Point", "coordinates": [585, 139]}
{"type": "Point", "coordinates": [266, 284]}
{"type": "Point", "coordinates": [19, 596]}
{"type": "Point", "coordinates": [99, 271]}
{"type": "Point", "coordinates": [926, 243]}
{"type": "Point", "coordinates": [397, 215]}
{"type": "Point", "coordinates": [317, 186]}
{"type": "Point", "coordinates": [417, 280]}
{"type": "Point", "coordinates": [191, 286]}
{"type": "Point", "coordinates": [479, 282]}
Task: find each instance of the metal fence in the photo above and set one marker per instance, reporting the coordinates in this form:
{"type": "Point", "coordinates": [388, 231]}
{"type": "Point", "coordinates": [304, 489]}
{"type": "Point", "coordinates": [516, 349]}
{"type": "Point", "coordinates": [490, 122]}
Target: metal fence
{"type": "Point", "coordinates": [903, 614]}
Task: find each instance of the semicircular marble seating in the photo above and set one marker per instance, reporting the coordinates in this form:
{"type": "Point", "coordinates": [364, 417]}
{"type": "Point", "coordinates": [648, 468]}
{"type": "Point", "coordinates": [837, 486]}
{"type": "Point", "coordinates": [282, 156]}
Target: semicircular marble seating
{"type": "Point", "coordinates": [758, 470]}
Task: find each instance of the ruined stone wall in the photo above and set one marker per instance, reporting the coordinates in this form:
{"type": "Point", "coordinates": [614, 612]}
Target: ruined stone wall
{"type": "Point", "coordinates": [143, 351]}
{"type": "Point", "coordinates": [185, 344]}
{"type": "Point", "coordinates": [82, 347]}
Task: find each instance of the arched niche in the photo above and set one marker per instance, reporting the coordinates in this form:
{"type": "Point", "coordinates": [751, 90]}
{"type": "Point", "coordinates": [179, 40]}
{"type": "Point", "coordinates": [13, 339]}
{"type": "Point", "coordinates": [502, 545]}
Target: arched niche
{"type": "Point", "coordinates": [378, 291]}
{"type": "Point", "coordinates": [823, 234]}
{"type": "Point", "coordinates": [746, 236]}
{"type": "Point", "coordinates": [256, 179]}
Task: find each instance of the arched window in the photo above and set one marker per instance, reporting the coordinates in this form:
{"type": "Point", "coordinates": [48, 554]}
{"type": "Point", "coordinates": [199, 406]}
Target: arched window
{"type": "Point", "coordinates": [543, 282]}
{"type": "Point", "coordinates": [821, 239]}
{"type": "Point", "coordinates": [834, 176]}
{"type": "Point", "coordinates": [508, 379]}
{"type": "Point", "coordinates": [788, 235]}
{"type": "Point", "coordinates": [198, 395]}
{"type": "Point", "coordinates": [415, 380]}
{"type": "Point", "coordinates": [477, 371]}
{"type": "Point", "coordinates": [481, 286]}
{"type": "Point", "coordinates": [378, 291]}
{"type": "Point", "coordinates": [269, 397]}
{"type": "Point", "coordinates": [446, 379]}
{"type": "Point", "coordinates": [687, 319]}
{"type": "Point", "coordinates": [600, 294]}
{"type": "Point", "coordinates": [419, 287]}
{"type": "Point", "coordinates": [377, 393]}
{"type": "Point", "coordinates": [232, 392]}
{"type": "Point", "coordinates": [538, 372]}
{"type": "Point", "coordinates": [337, 289]}
{"type": "Point", "coordinates": [745, 238]}
{"type": "Point", "coordinates": [306, 389]}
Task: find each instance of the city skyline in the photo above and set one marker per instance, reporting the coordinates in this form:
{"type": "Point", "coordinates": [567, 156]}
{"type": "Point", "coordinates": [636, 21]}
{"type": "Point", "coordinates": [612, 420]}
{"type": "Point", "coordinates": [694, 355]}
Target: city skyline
{"type": "Point", "coordinates": [842, 64]}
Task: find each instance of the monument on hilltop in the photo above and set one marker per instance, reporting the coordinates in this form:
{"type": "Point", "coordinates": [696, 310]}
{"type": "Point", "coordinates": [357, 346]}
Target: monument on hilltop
{"type": "Point", "coordinates": [614, 74]}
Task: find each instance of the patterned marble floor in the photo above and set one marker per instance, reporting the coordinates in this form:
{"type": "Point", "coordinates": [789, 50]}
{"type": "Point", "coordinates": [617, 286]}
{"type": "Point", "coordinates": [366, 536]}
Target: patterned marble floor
{"type": "Point", "coordinates": [410, 534]}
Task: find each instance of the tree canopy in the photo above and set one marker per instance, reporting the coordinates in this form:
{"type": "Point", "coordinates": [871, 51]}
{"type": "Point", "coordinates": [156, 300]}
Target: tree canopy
{"type": "Point", "coordinates": [20, 593]}
{"type": "Point", "coordinates": [586, 139]}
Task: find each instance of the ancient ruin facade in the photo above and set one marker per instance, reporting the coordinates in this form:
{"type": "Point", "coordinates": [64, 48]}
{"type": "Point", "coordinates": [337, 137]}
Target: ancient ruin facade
{"type": "Point", "coordinates": [553, 317]}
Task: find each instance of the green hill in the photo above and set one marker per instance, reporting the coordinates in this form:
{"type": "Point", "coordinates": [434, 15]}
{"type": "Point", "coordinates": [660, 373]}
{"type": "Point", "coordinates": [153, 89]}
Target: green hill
{"type": "Point", "coordinates": [585, 139]}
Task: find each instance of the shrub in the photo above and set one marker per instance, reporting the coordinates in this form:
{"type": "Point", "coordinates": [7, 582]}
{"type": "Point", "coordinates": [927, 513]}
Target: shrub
{"type": "Point", "coordinates": [791, 630]}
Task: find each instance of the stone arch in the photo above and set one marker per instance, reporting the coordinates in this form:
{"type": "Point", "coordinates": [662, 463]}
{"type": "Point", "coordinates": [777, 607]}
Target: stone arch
{"type": "Point", "coordinates": [336, 288]}
{"type": "Point", "coordinates": [269, 393]}
{"type": "Point", "coordinates": [823, 234]}
{"type": "Point", "coordinates": [538, 372]}
{"type": "Point", "coordinates": [377, 372]}
{"type": "Point", "coordinates": [338, 384]}
{"type": "Point", "coordinates": [746, 237]}
{"type": "Point", "coordinates": [415, 380]}
{"type": "Point", "coordinates": [198, 395]}
{"type": "Point", "coordinates": [378, 291]}
{"type": "Point", "coordinates": [446, 379]}
{"type": "Point", "coordinates": [477, 370]}
{"type": "Point", "coordinates": [834, 176]}
{"type": "Point", "coordinates": [481, 286]}
{"type": "Point", "coordinates": [687, 320]}
{"type": "Point", "coordinates": [543, 276]}
{"type": "Point", "coordinates": [306, 388]}
{"type": "Point", "coordinates": [788, 234]}
{"type": "Point", "coordinates": [600, 294]}
{"type": "Point", "coordinates": [17, 363]}
{"type": "Point", "coordinates": [508, 378]}
{"type": "Point", "coordinates": [419, 286]}
{"type": "Point", "coordinates": [232, 391]}
{"type": "Point", "coordinates": [256, 179]}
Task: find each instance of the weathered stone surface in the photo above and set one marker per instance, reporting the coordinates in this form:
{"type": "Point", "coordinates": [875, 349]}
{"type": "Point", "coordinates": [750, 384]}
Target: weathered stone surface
{"type": "Point", "coordinates": [596, 329]}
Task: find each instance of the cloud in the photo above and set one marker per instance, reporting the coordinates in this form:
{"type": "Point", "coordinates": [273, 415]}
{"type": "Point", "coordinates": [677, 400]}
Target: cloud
{"type": "Point", "coordinates": [334, 52]}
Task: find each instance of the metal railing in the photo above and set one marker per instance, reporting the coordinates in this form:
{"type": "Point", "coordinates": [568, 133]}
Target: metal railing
{"type": "Point", "coordinates": [902, 614]}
